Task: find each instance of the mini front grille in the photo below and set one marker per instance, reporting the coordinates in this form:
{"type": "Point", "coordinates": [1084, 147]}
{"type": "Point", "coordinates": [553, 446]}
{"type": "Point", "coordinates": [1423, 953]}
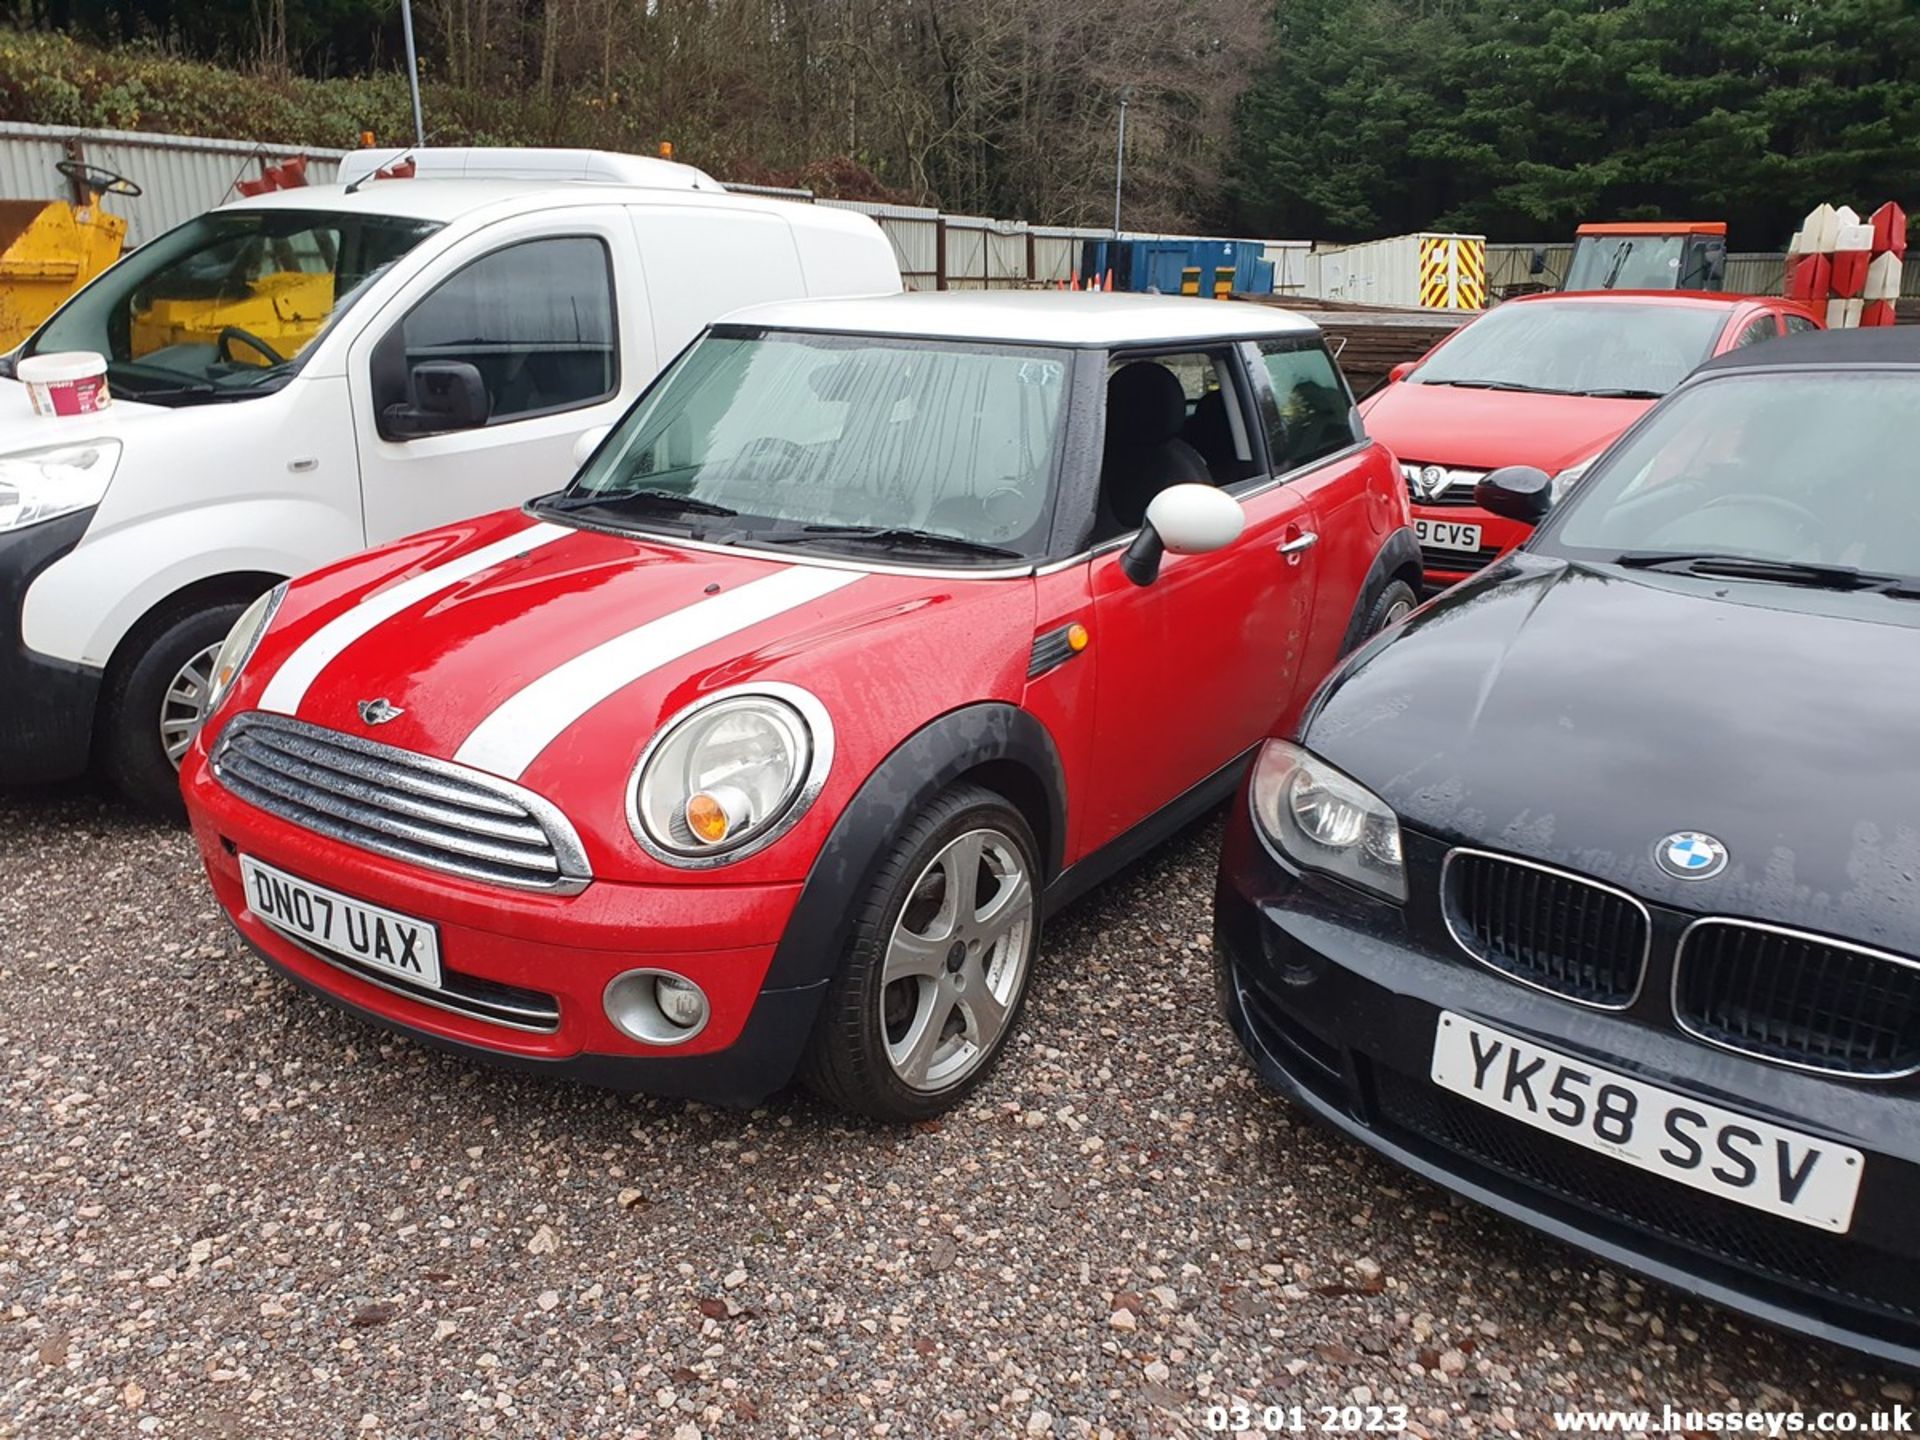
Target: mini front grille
{"type": "Point", "coordinates": [394, 802]}
{"type": "Point", "coordinates": [1799, 999]}
{"type": "Point", "coordinates": [1553, 931]}
{"type": "Point", "coordinates": [1455, 491]}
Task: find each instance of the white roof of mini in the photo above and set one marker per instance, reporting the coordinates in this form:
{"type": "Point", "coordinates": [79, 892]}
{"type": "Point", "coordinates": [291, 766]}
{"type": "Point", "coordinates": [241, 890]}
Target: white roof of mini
{"type": "Point", "coordinates": [1041, 317]}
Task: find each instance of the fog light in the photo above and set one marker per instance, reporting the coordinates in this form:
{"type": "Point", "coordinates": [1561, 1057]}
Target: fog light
{"type": "Point", "coordinates": [680, 1001]}
{"type": "Point", "coordinates": [656, 1008]}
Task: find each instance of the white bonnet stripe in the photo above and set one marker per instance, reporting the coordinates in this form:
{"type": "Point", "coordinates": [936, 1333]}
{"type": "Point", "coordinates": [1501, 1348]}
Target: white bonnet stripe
{"type": "Point", "coordinates": [289, 684]}
{"type": "Point", "coordinates": [528, 721]}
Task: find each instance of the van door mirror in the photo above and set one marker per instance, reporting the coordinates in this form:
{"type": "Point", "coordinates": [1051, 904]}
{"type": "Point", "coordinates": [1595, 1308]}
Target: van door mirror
{"type": "Point", "coordinates": [588, 442]}
{"type": "Point", "coordinates": [447, 395]}
{"type": "Point", "coordinates": [1517, 492]}
{"type": "Point", "coordinates": [1186, 519]}
{"type": "Point", "coordinates": [1537, 262]}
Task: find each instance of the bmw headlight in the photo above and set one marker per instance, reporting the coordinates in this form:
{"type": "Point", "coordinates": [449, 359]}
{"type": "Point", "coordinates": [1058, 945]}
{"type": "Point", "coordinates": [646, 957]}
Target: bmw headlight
{"type": "Point", "coordinates": [240, 644]}
{"type": "Point", "coordinates": [730, 774]}
{"type": "Point", "coordinates": [1323, 820]}
{"type": "Point", "coordinates": [38, 485]}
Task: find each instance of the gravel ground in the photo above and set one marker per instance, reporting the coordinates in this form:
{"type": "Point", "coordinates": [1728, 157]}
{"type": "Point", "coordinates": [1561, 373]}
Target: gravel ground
{"type": "Point", "coordinates": [232, 1211]}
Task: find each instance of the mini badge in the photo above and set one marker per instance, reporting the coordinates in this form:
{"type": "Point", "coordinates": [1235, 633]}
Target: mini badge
{"type": "Point", "coordinates": [379, 712]}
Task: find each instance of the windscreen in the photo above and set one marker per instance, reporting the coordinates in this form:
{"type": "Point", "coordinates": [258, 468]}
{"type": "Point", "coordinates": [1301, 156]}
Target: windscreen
{"type": "Point", "coordinates": [225, 305]}
{"type": "Point", "coordinates": [1795, 467]}
{"type": "Point", "coordinates": [1566, 347]}
{"type": "Point", "coordinates": [784, 429]}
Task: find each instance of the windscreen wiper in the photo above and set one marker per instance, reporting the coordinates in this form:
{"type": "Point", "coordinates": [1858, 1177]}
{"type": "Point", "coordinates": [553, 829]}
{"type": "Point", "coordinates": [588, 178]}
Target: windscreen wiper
{"type": "Point", "coordinates": [898, 536]}
{"type": "Point", "coordinates": [1494, 385]}
{"type": "Point", "coordinates": [1748, 567]}
{"type": "Point", "coordinates": [1620, 394]}
{"type": "Point", "coordinates": [660, 501]}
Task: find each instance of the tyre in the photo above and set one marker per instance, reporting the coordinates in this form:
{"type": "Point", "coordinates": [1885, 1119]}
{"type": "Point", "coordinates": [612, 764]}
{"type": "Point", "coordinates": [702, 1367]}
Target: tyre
{"type": "Point", "coordinates": [936, 970]}
{"type": "Point", "coordinates": [155, 696]}
{"type": "Point", "coordinates": [1392, 605]}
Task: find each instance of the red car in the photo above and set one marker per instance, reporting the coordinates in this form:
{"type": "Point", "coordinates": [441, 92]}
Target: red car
{"type": "Point", "coordinates": [875, 631]}
{"type": "Point", "coordinates": [1547, 381]}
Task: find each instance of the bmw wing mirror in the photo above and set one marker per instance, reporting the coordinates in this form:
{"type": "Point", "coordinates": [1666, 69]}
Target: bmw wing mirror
{"type": "Point", "coordinates": [1184, 519]}
{"type": "Point", "coordinates": [1517, 492]}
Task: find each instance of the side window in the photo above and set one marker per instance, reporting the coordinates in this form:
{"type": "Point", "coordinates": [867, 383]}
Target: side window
{"type": "Point", "coordinates": [1309, 410]}
{"type": "Point", "coordinates": [1174, 418]}
{"type": "Point", "coordinates": [535, 319]}
{"type": "Point", "coordinates": [1800, 324]}
{"type": "Point", "coordinates": [1763, 328]}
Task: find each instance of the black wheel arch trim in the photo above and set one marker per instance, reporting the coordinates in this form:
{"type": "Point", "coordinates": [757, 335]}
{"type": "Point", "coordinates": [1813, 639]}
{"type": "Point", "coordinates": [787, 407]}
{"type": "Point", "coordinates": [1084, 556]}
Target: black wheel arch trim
{"type": "Point", "coordinates": [919, 768]}
{"type": "Point", "coordinates": [1400, 551]}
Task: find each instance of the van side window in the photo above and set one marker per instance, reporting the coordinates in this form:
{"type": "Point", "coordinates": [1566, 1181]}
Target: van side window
{"type": "Point", "coordinates": [1308, 410]}
{"type": "Point", "coordinates": [535, 319]}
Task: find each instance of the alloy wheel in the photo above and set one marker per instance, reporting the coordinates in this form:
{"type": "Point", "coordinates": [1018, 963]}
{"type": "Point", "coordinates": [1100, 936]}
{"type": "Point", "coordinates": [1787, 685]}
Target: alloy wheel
{"type": "Point", "coordinates": [184, 705]}
{"type": "Point", "coordinates": [957, 959]}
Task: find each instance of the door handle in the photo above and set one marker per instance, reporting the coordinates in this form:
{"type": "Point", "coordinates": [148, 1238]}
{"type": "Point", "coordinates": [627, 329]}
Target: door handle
{"type": "Point", "coordinates": [1300, 543]}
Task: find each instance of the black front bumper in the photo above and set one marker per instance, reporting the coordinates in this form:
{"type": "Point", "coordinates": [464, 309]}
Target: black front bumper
{"type": "Point", "coordinates": [46, 705]}
{"type": "Point", "coordinates": [1337, 997]}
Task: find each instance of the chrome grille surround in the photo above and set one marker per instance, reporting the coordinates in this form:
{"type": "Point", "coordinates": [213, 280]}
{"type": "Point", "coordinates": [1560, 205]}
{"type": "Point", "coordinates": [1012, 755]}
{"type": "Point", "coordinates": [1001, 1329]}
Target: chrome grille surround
{"type": "Point", "coordinates": [393, 802]}
{"type": "Point", "coordinates": [1793, 1018]}
{"type": "Point", "coordinates": [1533, 925]}
{"type": "Point", "coordinates": [1458, 490]}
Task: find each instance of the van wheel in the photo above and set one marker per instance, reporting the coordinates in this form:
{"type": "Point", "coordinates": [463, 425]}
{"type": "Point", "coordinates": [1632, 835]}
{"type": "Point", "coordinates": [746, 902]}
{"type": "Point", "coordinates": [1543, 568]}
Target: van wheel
{"type": "Point", "coordinates": [156, 696]}
{"type": "Point", "coordinates": [1393, 604]}
{"type": "Point", "coordinates": [932, 983]}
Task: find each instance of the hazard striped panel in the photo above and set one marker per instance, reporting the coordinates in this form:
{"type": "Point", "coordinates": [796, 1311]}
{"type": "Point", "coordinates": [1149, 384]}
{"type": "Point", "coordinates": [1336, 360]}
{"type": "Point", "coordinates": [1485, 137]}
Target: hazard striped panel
{"type": "Point", "coordinates": [1470, 273]}
{"type": "Point", "coordinates": [1453, 272]}
{"type": "Point", "coordinates": [1436, 256]}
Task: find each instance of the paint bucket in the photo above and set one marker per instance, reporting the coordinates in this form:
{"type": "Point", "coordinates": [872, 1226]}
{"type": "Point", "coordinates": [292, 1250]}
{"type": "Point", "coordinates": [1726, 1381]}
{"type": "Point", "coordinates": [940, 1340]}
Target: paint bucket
{"type": "Point", "coordinates": [71, 382]}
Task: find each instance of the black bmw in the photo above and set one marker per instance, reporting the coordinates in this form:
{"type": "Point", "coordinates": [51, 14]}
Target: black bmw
{"type": "Point", "coordinates": [1593, 890]}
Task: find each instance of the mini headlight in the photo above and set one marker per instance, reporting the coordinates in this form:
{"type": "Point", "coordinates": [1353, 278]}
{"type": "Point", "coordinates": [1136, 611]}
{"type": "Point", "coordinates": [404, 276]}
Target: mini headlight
{"type": "Point", "coordinates": [240, 644]}
{"type": "Point", "coordinates": [1324, 820]}
{"type": "Point", "coordinates": [730, 774]}
{"type": "Point", "coordinates": [37, 485]}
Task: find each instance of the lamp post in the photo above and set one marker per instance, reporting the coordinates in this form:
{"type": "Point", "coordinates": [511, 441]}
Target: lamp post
{"type": "Point", "coordinates": [1120, 157]}
{"type": "Point", "coordinates": [413, 71]}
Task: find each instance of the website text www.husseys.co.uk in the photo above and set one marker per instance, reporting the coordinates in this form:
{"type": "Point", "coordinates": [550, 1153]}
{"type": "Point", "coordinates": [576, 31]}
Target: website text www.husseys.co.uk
{"type": "Point", "coordinates": [1678, 1420]}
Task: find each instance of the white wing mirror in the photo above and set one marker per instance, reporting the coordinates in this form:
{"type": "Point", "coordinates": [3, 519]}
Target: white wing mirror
{"type": "Point", "coordinates": [587, 442]}
{"type": "Point", "coordinates": [1186, 519]}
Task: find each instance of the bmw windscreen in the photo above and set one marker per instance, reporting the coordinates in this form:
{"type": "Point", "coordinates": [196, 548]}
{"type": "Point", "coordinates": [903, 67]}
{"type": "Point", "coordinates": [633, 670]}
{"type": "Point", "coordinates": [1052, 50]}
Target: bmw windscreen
{"type": "Point", "coordinates": [223, 307]}
{"type": "Point", "coordinates": [1802, 478]}
{"type": "Point", "coordinates": [946, 451]}
{"type": "Point", "coordinates": [1611, 348]}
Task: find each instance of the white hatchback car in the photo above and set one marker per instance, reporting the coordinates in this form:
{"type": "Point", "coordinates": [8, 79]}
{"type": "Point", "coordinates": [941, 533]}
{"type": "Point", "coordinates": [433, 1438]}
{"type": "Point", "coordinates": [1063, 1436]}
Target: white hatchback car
{"type": "Point", "coordinates": [312, 371]}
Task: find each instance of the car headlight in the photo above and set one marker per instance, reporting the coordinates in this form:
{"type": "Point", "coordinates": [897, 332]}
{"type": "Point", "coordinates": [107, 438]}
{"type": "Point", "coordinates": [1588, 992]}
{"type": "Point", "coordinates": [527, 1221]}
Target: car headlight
{"type": "Point", "coordinates": [730, 774]}
{"type": "Point", "coordinates": [1323, 820]}
{"type": "Point", "coordinates": [1566, 479]}
{"type": "Point", "coordinates": [38, 485]}
{"type": "Point", "coordinates": [242, 640]}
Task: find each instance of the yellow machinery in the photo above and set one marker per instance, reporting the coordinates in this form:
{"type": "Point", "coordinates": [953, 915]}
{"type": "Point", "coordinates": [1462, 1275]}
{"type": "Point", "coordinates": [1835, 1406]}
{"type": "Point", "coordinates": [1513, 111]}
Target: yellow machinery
{"type": "Point", "coordinates": [50, 248]}
{"type": "Point", "coordinates": [281, 309]}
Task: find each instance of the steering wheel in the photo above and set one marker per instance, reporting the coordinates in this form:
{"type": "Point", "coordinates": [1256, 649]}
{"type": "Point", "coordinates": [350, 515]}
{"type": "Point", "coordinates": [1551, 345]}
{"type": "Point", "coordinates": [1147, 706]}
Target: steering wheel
{"type": "Point", "coordinates": [1805, 522]}
{"type": "Point", "coordinates": [102, 182]}
{"type": "Point", "coordinates": [250, 340]}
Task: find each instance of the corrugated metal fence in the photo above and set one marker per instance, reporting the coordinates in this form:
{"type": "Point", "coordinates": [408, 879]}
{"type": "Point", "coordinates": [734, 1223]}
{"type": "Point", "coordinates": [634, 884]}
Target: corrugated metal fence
{"type": "Point", "coordinates": [179, 177]}
{"type": "Point", "coordinates": [1753, 273]}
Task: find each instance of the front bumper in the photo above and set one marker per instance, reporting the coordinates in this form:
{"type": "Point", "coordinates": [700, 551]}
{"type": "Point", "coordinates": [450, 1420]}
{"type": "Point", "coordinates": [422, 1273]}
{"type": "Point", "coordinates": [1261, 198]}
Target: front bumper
{"type": "Point", "coordinates": [1336, 1000]}
{"type": "Point", "coordinates": [46, 719]}
{"type": "Point", "coordinates": [524, 974]}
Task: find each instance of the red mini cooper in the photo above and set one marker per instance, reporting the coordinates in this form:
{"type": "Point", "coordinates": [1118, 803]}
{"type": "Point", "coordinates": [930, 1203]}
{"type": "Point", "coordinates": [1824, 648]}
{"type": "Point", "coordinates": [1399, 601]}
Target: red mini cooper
{"type": "Point", "coordinates": [876, 630]}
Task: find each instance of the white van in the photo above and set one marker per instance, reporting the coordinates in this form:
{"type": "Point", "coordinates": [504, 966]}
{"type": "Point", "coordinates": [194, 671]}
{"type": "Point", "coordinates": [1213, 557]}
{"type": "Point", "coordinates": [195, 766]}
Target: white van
{"type": "Point", "coordinates": [309, 372]}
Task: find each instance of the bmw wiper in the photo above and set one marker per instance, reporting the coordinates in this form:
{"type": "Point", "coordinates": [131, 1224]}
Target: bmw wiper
{"type": "Point", "coordinates": [897, 536]}
{"type": "Point", "coordinates": [1748, 567]}
{"type": "Point", "coordinates": [663, 501]}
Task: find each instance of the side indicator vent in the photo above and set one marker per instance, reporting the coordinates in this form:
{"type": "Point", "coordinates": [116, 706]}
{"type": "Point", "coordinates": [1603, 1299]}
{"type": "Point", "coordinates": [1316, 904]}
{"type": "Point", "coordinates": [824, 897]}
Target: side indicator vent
{"type": "Point", "coordinates": [1054, 648]}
